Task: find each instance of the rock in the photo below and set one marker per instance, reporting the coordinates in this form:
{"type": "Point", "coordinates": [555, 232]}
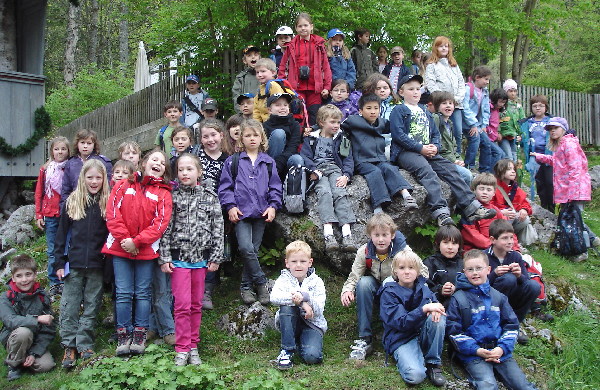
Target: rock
{"type": "Point", "coordinates": [18, 229]}
{"type": "Point", "coordinates": [595, 175]}
{"type": "Point", "coordinates": [544, 222]}
{"type": "Point", "coordinates": [248, 323]}
{"type": "Point", "coordinates": [555, 300]}
{"type": "Point", "coordinates": [28, 196]}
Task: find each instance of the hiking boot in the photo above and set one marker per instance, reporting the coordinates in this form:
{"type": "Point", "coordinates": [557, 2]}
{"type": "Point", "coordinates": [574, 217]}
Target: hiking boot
{"type": "Point", "coordinates": [207, 302]}
{"type": "Point", "coordinates": [284, 360]}
{"type": "Point", "coordinates": [331, 243]}
{"type": "Point", "coordinates": [444, 220]}
{"type": "Point", "coordinates": [481, 213]}
{"type": "Point", "coordinates": [87, 354]}
{"type": "Point", "coordinates": [248, 296]}
{"type": "Point", "coordinates": [181, 358]}
{"type": "Point", "coordinates": [360, 349]}
{"type": "Point", "coordinates": [522, 338]}
{"type": "Point", "coordinates": [542, 316]}
{"type": "Point", "coordinates": [264, 297]}
{"type": "Point", "coordinates": [348, 244]}
{"type": "Point", "coordinates": [138, 344]}
{"type": "Point", "coordinates": [434, 373]}
{"type": "Point", "coordinates": [194, 357]}
{"type": "Point", "coordinates": [70, 358]}
{"type": "Point", "coordinates": [123, 342]}
{"type": "Point", "coordinates": [580, 258]}
{"type": "Point", "coordinates": [169, 339]}
{"type": "Point", "coordinates": [14, 373]}
{"type": "Point", "coordinates": [410, 203]}
{"type": "Point", "coordinates": [151, 335]}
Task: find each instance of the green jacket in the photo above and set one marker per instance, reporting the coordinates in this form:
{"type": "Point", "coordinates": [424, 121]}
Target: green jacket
{"type": "Point", "coordinates": [511, 127]}
{"type": "Point", "coordinates": [245, 82]}
{"type": "Point", "coordinates": [448, 142]}
{"type": "Point", "coordinates": [365, 62]}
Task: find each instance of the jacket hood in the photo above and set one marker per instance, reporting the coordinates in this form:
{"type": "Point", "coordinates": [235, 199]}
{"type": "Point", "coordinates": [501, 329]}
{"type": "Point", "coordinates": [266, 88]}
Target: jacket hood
{"type": "Point", "coordinates": [359, 122]}
{"type": "Point", "coordinates": [397, 244]}
{"type": "Point", "coordinates": [317, 133]}
{"type": "Point", "coordinates": [390, 283]}
{"type": "Point", "coordinates": [281, 120]}
{"type": "Point", "coordinates": [149, 180]}
{"type": "Point", "coordinates": [462, 283]}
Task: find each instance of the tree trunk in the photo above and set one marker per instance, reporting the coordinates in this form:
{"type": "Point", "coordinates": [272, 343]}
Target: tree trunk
{"type": "Point", "coordinates": [71, 44]}
{"type": "Point", "coordinates": [123, 36]}
{"type": "Point", "coordinates": [523, 64]}
{"type": "Point", "coordinates": [521, 47]}
{"type": "Point", "coordinates": [93, 28]}
{"type": "Point", "coordinates": [503, 65]}
{"type": "Point", "coordinates": [469, 44]}
{"type": "Point", "coordinates": [8, 36]}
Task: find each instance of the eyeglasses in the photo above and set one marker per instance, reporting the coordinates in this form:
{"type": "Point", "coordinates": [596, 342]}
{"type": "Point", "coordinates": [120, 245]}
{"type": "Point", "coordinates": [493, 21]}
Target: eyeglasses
{"type": "Point", "coordinates": [538, 105]}
{"type": "Point", "coordinates": [476, 269]}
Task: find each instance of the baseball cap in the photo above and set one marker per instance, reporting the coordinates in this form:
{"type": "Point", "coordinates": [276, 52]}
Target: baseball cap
{"type": "Point", "coordinates": [278, 96]}
{"type": "Point", "coordinates": [209, 104]}
{"type": "Point", "coordinates": [193, 78]}
{"type": "Point", "coordinates": [284, 30]}
{"type": "Point", "coordinates": [244, 96]}
{"type": "Point", "coordinates": [335, 31]}
{"type": "Point", "coordinates": [410, 77]}
{"type": "Point", "coordinates": [558, 121]}
{"type": "Point", "coordinates": [250, 48]}
{"type": "Point", "coordinates": [397, 49]}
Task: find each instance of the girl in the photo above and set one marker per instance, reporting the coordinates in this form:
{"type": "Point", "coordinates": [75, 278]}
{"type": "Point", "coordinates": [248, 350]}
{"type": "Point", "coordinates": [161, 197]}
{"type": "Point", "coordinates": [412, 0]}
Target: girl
{"type": "Point", "coordinates": [47, 202]}
{"type": "Point", "coordinates": [340, 62]}
{"type": "Point", "coordinates": [192, 244]}
{"type": "Point", "coordinates": [498, 99]}
{"type": "Point", "coordinates": [305, 65]}
{"type": "Point", "coordinates": [85, 146]}
{"type": "Point", "coordinates": [344, 100]}
{"type": "Point", "coordinates": [82, 231]}
{"type": "Point", "coordinates": [231, 134]}
{"type": "Point", "coordinates": [251, 193]}
{"type": "Point", "coordinates": [364, 59]}
{"type": "Point", "coordinates": [382, 57]}
{"type": "Point", "coordinates": [443, 74]}
{"type": "Point", "coordinates": [131, 151]}
{"type": "Point", "coordinates": [417, 64]}
{"type": "Point", "coordinates": [137, 215]}
{"type": "Point", "coordinates": [571, 180]}
{"type": "Point", "coordinates": [381, 86]}
{"type": "Point", "coordinates": [121, 170]}
{"type": "Point", "coordinates": [182, 140]}
{"type": "Point", "coordinates": [510, 128]}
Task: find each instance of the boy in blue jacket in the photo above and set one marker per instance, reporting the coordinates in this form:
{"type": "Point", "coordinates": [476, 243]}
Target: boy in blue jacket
{"type": "Point", "coordinates": [413, 321]}
{"type": "Point", "coordinates": [483, 328]}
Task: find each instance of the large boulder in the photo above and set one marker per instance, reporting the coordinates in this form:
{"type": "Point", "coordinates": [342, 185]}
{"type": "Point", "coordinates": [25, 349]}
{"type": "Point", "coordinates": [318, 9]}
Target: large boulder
{"type": "Point", "coordinates": [248, 322]}
{"type": "Point", "coordinates": [595, 175]}
{"type": "Point", "coordinates": [18, 229]}
{"type": "Point", "coordinates": [544, 222]}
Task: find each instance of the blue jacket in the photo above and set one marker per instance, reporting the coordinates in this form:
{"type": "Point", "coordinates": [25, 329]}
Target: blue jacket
{"type": "Point", "coordinates": [401, 310]}
{"type": "Point", "coordinates": [473, 113]}
{"type": "Point", "coordinates": [72, 170]}
{"type": "Point", "coordinates": [400, 127]}
{"type": "Point", "coordinates": [526, 138]}
{"type": "Point", "coordinates": [492, 321]}
{"type": "Point", "coordinates": [254, 190]}
{"type": "Point", "coordinates": [346, 164]}
{"type": "Point", "coordinates": [344, 69]}
{"type": "Point", "coordinates": [368, 143]}
{"type": "Point", "coordinates": [511, 257]}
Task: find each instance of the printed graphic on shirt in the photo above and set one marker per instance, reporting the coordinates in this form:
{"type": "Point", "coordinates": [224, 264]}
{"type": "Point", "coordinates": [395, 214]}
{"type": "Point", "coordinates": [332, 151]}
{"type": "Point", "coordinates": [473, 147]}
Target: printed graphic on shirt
{"type": "Point", "coordinates": [419, 125]}
{"type": "Point", "coordinates": [538, 136]}
{"type": "Point", "coordinates": [211, 169]}
{"type": "Point", "coordinates": [324, 150]}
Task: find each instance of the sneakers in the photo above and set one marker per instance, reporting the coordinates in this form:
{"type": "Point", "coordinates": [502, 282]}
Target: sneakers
{"type": "Point", "coordinates": [284, 360]}
{"type": "Point", "coordinates": [169, 339]}
{"type": "Point", "coordinates": [542, 316]}
{"type": "Point", "coordinates": [410, 203]}
{"type": "Point", "coordinates": [14, 373]}
{"type": "Point", "coordinates": [482, 213]}
{"type": "Point", "coordinates": [444, 220]}
{"type": "Point", "coordinates": [123, 342]}
{"type": "Point", "coordinates": [360, 349]}
{"type": "Point", "coordinates": [138, 344]}
{"type": "Point", "coordinates": [87, 354]}
{"type": "Point", "coordinates": [522, 338]}
{"type": "Point", "coordinates": [580, 258]}
{"type": "Point", "coordinates": [181, 358]}
{"type": "Point", "coordinates": [349, 244]}
{"type": "Point", "coordinates": [264, 297]}
{"type": "Point", "coordinates": [70, 358]}
{"type": "Point", "coordinates": [434, 373]}
{"type": "Point", "coordinates": [331, 243]}
{"type": "Point", "coordinates": [248, 296]}
{"type": "Point", "coordinates": [194, 357]}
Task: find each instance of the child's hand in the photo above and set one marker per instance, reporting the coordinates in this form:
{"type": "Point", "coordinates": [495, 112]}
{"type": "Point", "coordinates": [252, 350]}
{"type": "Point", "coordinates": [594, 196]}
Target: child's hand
{"type": "Point", "coordinates": [509, 213]}
{"type": "Point", "coordinates": [324, 94]}
{"type": "Point", "coordinates": [499, 137]}
{"type": "Point", "coordinates": [60, 274]}
{"type": "Point", "coordinates": [269, 214]}
{"type": "Point", "coordinates": [518, 138]}
{"type": "Point", "coordinates": [435, 309]}
{"type": "Point", "coordinates": [45, 319]}
{"type": "Point", "coordinates": [314, 176]}
{"type": "Point", "coordinates": [29, 361]}
{"type": "Point", "coordinates": [483, 353]}
{"type": "Point", "coordinates": [297, 297]}
{"type": "Point", "coordinates": [40, 223]}
{"type": "Point", "coordinates": [494, 355]}
{"type": "Point", "coordinates": [502, 269]}
{"type": "Point", "coordinates": [460, 163]}
{"type": "Point", "coordinates": [473, 131]}
{"type": "Point", "coordinates": [448, 289]}
{"type": "Point", "coordinates": [308, 310]}
{"type": "Point", "coordinates": [307, 131]}
{"type": "Point", "coordinates": [515, 269]}
{"type": "Point", "coordinates": [433, 149]}
{"type": "Point", "coordinates": [213, 267]}
{"type": "Point", "coordinates": [522, 215]}
{"type": "Point", "coordinates": [534, 154]}
{"type": "Point", "coordinates": [347, 298]}
{"type": "Point", "coordinates": [128, 246]}
{"type": "Point", "coordinates": [167, 268]}
{"type": "Point", "coordinates": [341, 181]}
{"type": "Point", "coordinates": [234, 214]}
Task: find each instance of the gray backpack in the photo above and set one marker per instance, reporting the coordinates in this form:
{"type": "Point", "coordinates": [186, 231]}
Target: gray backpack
{"type": "Point", "coordinates": [294, 190]}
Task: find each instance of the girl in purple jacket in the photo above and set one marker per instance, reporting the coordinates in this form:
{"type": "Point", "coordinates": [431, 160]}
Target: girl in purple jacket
{"type": "Point", "coordinates": [250, 191]}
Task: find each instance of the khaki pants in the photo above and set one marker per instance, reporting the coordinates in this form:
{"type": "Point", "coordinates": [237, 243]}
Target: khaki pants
{"type": "Point", "coordinates": [18, 345]}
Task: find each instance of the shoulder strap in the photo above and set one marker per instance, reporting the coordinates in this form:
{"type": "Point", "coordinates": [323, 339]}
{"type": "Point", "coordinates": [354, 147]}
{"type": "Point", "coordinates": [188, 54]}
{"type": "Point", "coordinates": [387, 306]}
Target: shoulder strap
{"type": "Point", "coordinates": [235, 162]}
{"type": "Point", "coordinates": [189, 102]}
{"type": "Point", "coordinates": [465, 309]}
{"type": "Point", "coordinates": [368, 260]}
{"type": "Point", "coordinates": [505, 196]}
{"type": "Point", "coordinates": [471, 89]}
{"type": "Point", "coordinates": [161, 136]}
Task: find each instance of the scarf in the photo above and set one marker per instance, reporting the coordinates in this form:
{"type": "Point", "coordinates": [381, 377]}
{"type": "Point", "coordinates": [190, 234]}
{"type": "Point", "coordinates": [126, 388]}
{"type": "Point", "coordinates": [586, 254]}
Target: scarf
{"type": "Point", "coordinates": [14, 290]}
{"type": "Point", "coordinates": [54, 177]}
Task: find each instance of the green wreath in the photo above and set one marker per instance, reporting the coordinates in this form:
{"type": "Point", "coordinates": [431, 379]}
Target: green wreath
{"type": "Point", "coordinates": [42, 128]}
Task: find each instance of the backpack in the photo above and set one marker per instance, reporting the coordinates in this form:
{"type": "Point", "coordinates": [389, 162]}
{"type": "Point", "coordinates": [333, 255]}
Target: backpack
{"type": "Point", "coordinates": [534, 269]}
{"type": "Point", "coordinates": [294, 190]}
{"type": "Point", "coordinates": [161, 136]}
{"type": "Point", "coordinates": [569, 236]}
{"type": "Point", "coordinates": [235, 162]}
{"type": "Point", "coordinates": [297, 106]}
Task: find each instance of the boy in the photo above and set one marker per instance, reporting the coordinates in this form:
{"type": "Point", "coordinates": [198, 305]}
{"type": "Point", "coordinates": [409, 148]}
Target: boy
{"type": "Point", "coordinates": [364, 59]}
{"type": "Point", "coordinates": [476, 118]}
{"type": "Point", "coordinates": [300, 295]}
{"type": "Point", "coordinates": [372, 265]}
{"type": "Point", "coordinates": [283, 36]}
{"type": "Point", "coordinates": [28, 321]}
{"type": "Point", "coordinates": [209, 108]}
{"type": "Point", "coordinates": [245, 82]}
{"type": "Point", "coordinates": [368, 150]}
{"type": "Point", "coordinates": [443, 107]}
{"type": "Point", "coordinates": [396, 70]}
{"type": "Point", "coordinates": [130, 151]}
{"type": "Point", "coordinates": [413, 321]}
{"type": "Point", "coordinates": [283, 133]}
{"type": "Point", "coordinates": [483, 328]}
{"type": "Point", "coordinates": [265, 72]}
{"type": "Point", "coordinates": [508, 271]}
{"type": "Point", "coordinates": [415, 147]}
{"type": "Point", "coordinates": [246, 105]}
{"type": "Point", "coordinates": [172, 111]}
{"type": "Point", "coordinates": [192, 101]}
{"type": "Point", "coordinates": [332, 166]}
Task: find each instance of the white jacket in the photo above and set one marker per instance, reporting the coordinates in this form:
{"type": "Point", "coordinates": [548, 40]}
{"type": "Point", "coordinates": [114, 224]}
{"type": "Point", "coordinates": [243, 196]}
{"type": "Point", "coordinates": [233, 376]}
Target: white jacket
{"type": "Point", "coordinates": [312, 288]}
{"type": "Point", "coordinates": [441, 76]}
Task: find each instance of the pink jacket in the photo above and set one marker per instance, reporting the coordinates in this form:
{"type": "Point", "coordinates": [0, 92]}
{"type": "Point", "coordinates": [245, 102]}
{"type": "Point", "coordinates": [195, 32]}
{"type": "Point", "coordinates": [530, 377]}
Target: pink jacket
{"type": "Point", "coordinates": [570, 178]}
{"type": "Point", "coordinates": [492, 129]}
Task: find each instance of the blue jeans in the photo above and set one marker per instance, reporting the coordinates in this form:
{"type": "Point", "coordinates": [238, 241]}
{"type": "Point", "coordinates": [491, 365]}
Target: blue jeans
{"type": "Point", "coordinates": [277, 143]}
{"type": "Point", "coordinates": [465, 174]}
{"type": "Point", "coordinates": [424, 349]}
{"type": "Point", "coordinates": [384, 181]}
{"type": "Point", "coordinates": [509, 147]}
{"type": "Point", "coordinates": [472, 148]}
{"type": "Point", "coordinates": [133, 280]}
{"type": "Point", "coordinates": [456, 119]}
{"type": "Point", "coordinates": [366, 288]}
{"type": "Point", "coordinates": [520, 296]}
{"type": "Point", "coordinates": [297, 335]}
{"type": "Point", "coordinates": [161, 319]}
{"type": "Point", "coordinates": [249, 233]}
{"type": "Point", "coordinates": [51, 224]}
{"type": "Point", "coordinates": [481, 375]}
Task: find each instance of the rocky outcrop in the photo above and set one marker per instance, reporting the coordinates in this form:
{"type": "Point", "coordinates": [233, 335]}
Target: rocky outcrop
{"type": "Point", "coordinates": [595, 175]}
{"type": "Point", "coordinates": [248, 323]}
{"type": "Point", "coordinates": [544, 222]}
{"type": "Point", "coordinates": [18, 229]}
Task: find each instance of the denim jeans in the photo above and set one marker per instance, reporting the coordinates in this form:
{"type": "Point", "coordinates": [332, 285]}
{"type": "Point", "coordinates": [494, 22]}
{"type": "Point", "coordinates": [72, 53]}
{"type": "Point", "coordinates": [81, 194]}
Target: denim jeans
{"type": "Point", "coordinates": [277, 143]}
{"type": "Point", "coordinates": [384, 181]}
{"type": "Point", "coordinates": [297, 335]}
{"type": "Point", "coordinates": [509, 147]}
{"type": "Point", "coordinates": [162, 303]}
{"type": "Point", "coordinates": [51, 226]}
{"type": "Point", "coordinates": [456, 119]}
{"type": "Point", "coordinates": [495, 153]}
{"type": "Point", "coordinates": [424, 349]}
{"type": "Point", "coordinates": [472, 148]}
{"type": "Point", "coordinates": [481, 375]}
{"type": "Point", "coordinates": [520, 296]}
{"type": "Point", "coordinates": [133, 281]}
{"type": "Point", "coordinates": [249, 233]}
{"type": "Point", "coordinates": [366, 289]}
{"type": "Point", "coordinates": [465, 174]}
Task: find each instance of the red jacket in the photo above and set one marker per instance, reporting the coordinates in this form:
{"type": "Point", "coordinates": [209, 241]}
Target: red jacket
{"type": "Point", "coordinates": [45, 206]}
{"type": "Point", "coordinates": [319, 68]}
{"type": "Point", "coordinates": [140, 210]}
{"type": "Point", "coordinates": [519, 198]}
{"type": "Point", "coordinates": [476, 235]}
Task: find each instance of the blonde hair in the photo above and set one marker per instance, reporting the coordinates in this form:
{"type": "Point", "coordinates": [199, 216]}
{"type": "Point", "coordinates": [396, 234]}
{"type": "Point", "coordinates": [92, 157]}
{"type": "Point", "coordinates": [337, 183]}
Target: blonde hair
{"type": "Point", "coordinates": [130, 145]}
{"type": "Point", "coordinates": [484, 179]}
{"type": "Point", "coordinates": [80, 199]}
{"type": "Point", "coordinates": [298, 246]}
{"type": "Point", "coordinates": [329, 50]}
{"type": "Point", "coordinates": [328, 111]}
{"type": "Point", "coordinates": [267, 63]}
{"type": "Point", "coordinates": [411, 258]}
{"type": "Point", "coordinates": [383, 221]}
{"type": "Point", "coordinates": [439, 41]}
{"type": "Point", "coordinates": [58, 140]}
{"type": "Point", "coordinates": [257, 127]}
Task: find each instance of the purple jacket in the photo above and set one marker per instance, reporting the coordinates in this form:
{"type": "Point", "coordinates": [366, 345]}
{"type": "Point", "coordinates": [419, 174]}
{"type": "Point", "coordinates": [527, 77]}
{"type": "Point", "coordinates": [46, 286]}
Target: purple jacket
{"type": "Point", "coordinates": [254, 190]}
{"type": "Point", "coordinates": [349, 106]}
{"type": "Point", "coordinates": [72, 170]}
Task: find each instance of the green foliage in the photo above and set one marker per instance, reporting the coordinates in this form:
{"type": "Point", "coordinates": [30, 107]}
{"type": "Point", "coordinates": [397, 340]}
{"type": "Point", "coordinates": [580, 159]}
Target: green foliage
{"type": "Point", "coordinates": [43, 125]}
{"type": "Point", "coordinates": [273, 380]}
{"type": "Point", "coordinates": [270, 256]}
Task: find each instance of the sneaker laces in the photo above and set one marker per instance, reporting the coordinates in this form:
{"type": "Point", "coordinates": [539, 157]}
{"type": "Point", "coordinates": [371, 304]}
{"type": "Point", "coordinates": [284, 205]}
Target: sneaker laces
{"type": "Point", "coordinates": [284, 357]}
{"type": "Point", "coordinates": [139, 335]}
{"type": "Point", "coordinates": [359, 345]}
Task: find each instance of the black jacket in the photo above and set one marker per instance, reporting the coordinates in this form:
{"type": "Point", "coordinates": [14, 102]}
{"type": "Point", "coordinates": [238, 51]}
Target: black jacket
{"type": "Point", "coordinates": [293, 138]}
{"type": "Point", "coordinates": [442, 270]}
{"type": "Point", "coordinates": [368, 143]}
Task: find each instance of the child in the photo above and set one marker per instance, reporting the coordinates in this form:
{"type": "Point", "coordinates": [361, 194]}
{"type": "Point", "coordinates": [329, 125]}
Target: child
{"type": "Point", "coordinates": [251, 194]}
{"type": "Point", "coordinates": [300, 294]}
{"type": "Point", "coordinates": [415, 146]}
{"type": "Point", "coordinates": [121, 170]}
{"type": "Point", "coordinates": [81, 234]}
{"type": "Point", "coordinates": [476, 118]}
{"type": "Point", "coordinates": [372, 265]}
{"type": "Point", "coordinates": [332, 167]}
{"type": "Point", "coordinates": [192, 100]}
{"type": "Point", "coordinates": [265, 72]}
{"type": "Point", "coordinates": [483, 328]}
{"type": "Point", "coordinates": [209, 108]}
{"type": "Point", "coordinates": [417, 65]}
{"type": "Point", "coordinates": [172, 111]}
{"type": "Point", "coordinates": [29, 325]}
{"type": "Point", "coordinates": [245, 81]}
{"type": "Point", "coordinates": [137, 215]}
{"type": "Point", "coordinates": [570, 179]}
{"type": "Point", "coordinates": [283, 36]}
{"type": "Point", "coordinates": [396, 70]}
{"type": "Point", "coordinates": [364, 59]}
{"type": "Point", "coordinates": [131, 151]}
{"type": "Point", "coordinates": [246, 104]}
{"type": "Point", "coordinates": [382, 57]}
{"type": "Point", "coordinates": [510, 129]}
{"type": "Point", "coordinates": [381, 86]}
{"type": "Point", "coordinates": [445, 264]}
{"type": "Point", "coordinates": [341, 97]}
{"type": "Point", "coordinates": [508, 272]}
{"type": "Point", "coordinates": [498, 99]}
{"type": "Point", "coordinates": [231, 134]}
{"type": "Point", "coordinates": [511, 199]}
{"type": "Point", "coordinates": [191, 245]}
{"type": "Point", "coordinates": [413, 321]}
{"type": "Point", "coordinates": [47, 203]}
{"type": "Point", "coordinates": [368, 150]}
{"type": "Point", "coordinates": [340, 62]}
{"type": "Point", "coordinates": [443, 108]}
{"type": "Point", "coordinates": [182, 139]}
